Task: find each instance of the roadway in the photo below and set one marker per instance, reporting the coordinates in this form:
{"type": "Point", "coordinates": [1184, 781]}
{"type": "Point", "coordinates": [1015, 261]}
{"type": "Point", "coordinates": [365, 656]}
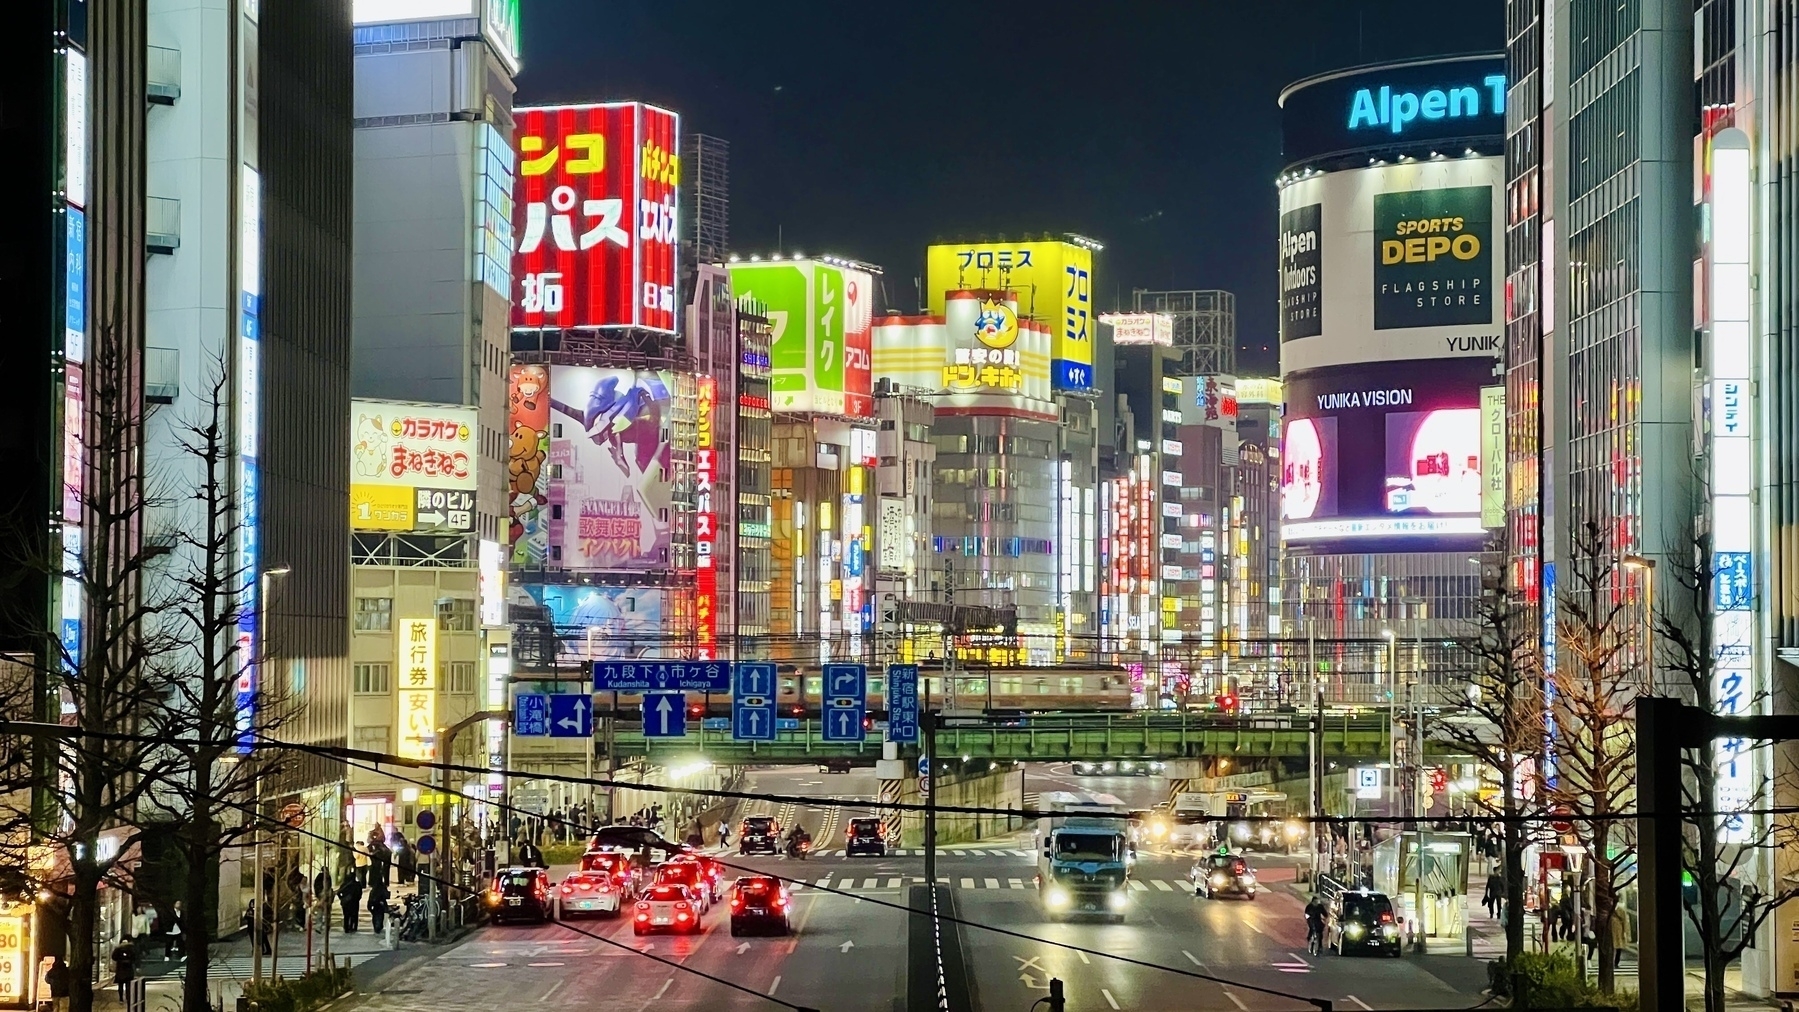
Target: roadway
{"type": "Point", "coordinates": [850, 950]}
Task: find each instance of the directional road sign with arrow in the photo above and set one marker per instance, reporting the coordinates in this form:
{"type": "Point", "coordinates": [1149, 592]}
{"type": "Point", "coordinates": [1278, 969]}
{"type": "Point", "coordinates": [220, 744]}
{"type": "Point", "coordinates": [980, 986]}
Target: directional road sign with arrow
{"type": "Point", "coordinates": [661, 676]}
{"type": "Point", "coordinates": [664, 715]}
{"type": "Point", "coordinates": [571, 716]}
{"type": "Point", "coordinates": [845, 701]}
{"type": "Point", "coordinates": [753, 702]}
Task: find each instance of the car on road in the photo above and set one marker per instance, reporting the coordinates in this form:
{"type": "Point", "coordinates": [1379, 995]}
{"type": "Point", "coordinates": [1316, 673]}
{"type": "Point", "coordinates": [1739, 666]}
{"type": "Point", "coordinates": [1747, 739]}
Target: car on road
{"type": "Point", "coordinates": [1218, 875]}
{"type": "Point", "coordinates": [758, 834]}
{"type": "Point", "coordinates": [668, 907]}
{"type": "Point", "coordinates": [628, 872]}
{"type": "Point", "coordinates": [585, 893]}
{"type": "Point", "coordinates": [714, 872]}
{"type": "Point", "coordinates": [865, 836]}
{"type": "Point", "coordinates": [759, 903]}
{"type": "Point", "coordinates": [519, 894]}
{"type": "Point", "coordinates": [1361, 921]}
{"type": "Point", "coordinates": [691, 875]}
{"type": "Point", "coordinates": [1120, 767]}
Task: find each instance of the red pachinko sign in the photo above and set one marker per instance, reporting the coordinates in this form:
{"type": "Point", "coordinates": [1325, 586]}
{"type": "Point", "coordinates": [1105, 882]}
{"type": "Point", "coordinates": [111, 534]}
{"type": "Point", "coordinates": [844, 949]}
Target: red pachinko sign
{"type": "Point", "coordinates": [595, 217]}
{"type": "Point", "coordinates": [705, 524]}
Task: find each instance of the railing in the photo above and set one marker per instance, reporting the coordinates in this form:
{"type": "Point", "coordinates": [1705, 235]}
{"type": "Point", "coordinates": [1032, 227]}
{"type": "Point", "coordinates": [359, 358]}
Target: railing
{"type": "Point", "coordinates": [162, 375]}
{"type": "Point", "coordinates": [162, 73]}
{"type": "Point", "coordinates": [162, 224]}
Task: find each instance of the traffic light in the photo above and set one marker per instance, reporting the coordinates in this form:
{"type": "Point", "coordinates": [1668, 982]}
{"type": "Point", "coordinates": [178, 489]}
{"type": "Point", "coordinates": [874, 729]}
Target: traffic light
{"type": "Point", "coordinates": [1228, 703]}
{"type": "Point", "coordinates": [1689, 889]}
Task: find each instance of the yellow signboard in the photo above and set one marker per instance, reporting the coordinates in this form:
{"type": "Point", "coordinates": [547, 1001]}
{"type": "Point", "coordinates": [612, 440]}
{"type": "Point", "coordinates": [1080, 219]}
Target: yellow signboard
{"type": "Point", "coordinates": [15, 957]}
{"type": "Point", "coordinates": [417, 697]}
{"type": "Point", "coordinates": [1054, 282]}
{"type": "Point", "coordinates": [380, 508]}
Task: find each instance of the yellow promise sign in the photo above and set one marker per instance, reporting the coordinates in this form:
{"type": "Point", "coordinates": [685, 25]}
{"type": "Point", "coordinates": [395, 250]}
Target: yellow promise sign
{"type": "Point", "coordinates": [381, 507]}
{"type": "Point", "coordinates": [417, 697]}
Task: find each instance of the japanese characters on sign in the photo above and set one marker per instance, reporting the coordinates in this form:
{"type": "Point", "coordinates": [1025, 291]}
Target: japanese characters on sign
{"type": "Point", "coordinates": [1054, 284]}
{"type": "Point", "coordinates": [595, 217]}
{"type": "Point", "coordinates": [705, 522]}
{"type": "Point", "coordinates": [416, 699]}
{"type": "Point", "coordinates": [412, 467]}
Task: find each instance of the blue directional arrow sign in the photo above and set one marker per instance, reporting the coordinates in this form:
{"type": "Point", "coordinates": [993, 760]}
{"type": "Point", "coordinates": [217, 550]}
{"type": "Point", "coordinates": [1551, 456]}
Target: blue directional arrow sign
{"type": "Point", "coordinates": [530, 715]}
{"type": "Point", "coordinates": [571, 716]}
{"type": "Point", "coordinates": [753, 702]}
{"type": "Point", "coordinates": [661, 676]}
{"type": "Point", "coordinates": [845, 702]}
{"type": "Point", "coordinates": [902, 702]}
{"type": "Point", "coordinates": [664, 715]}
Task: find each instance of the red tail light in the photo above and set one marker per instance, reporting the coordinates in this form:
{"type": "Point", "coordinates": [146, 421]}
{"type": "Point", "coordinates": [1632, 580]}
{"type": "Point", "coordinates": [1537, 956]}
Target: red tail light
{"type": "Point", "coordinates": [780, 901]}
{"type": "Point", "coordinates": [681, 905]}
{"type": "Point", "coordinates": [643, 917]}
{"type": "Point", "coordinates": [736, 902]}
{"type": "Point", "coordinates": [681, 917]}
{"type": "Point", "coordinates": [1386, 918]}
{"type": "Point", "coordinates": [567, 889]}
{"type": "Point", "coordinates": [643, 906]}
{"type": "Point", "coordinates": [585, 886]}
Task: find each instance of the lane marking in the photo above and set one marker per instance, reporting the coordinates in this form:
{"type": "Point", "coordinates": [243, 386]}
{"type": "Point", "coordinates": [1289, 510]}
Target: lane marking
{"type": "Point", "coordinates": [1109, 999]}
{"type": "Point", "coordinates": [1013, 883]}
{"type": "Point", "coordinates": [1195, 961]}
{"type": "Point", "coordinates": [486, 966]}
{"type": "Point", "coordinates": [1138, 886]}
{"type": "Point", "coordinates": [1365, 1006]}
{"type": "Point", "coordinates": [552, 990]}
{"type": "Point", "coordinates": [777, 983]}
{"type": "Point", "coordinates": [1228, 993]}
{"type": "Point", "coordinates": [968, 883]}
{"type": "Point", "coordinates": [1084, 958]}
{"type": "Point", "coordinates": [1163, 886]}
{"type": "Point", "coordinates": [1253, 927]}
{"type": "Point", "coordinates": [545, 964]}
{"type": "Point", "coordinates": [670, 982]}
{"type": "Point", "coordinates": [870, 883]}
{"type": "Point", "coordinates": [742, 948]}
{"type": "Point", "coordinates": [893, 883]}
{"type": "Point", "coordinates": [990, 883]}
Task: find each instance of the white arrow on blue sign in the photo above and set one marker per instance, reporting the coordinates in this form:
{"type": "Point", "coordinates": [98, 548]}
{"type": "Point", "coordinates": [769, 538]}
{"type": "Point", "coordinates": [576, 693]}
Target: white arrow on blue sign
{"type": "Point", "coordinates": [530, 715]}
{"type": "Point", "coordinates": [571, 716]}
{"type": "Point", "coordinates": [665, 715]}
{"type": "Point", "coordinates": [846, 703]}
{"type": "Point", "coordinates": [753, 702]}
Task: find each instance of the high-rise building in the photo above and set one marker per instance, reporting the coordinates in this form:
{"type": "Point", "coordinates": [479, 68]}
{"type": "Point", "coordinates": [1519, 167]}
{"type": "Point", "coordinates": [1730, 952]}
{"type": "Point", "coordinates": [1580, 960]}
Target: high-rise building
{"type": "Point", "coordinates": [428, 441]}
{"type": "Point", "coordinates": [705, 199]}
{"type": "Point", "coordinates": [755, 434]}
{"type": "Point", "coordinates": [1390, 279]}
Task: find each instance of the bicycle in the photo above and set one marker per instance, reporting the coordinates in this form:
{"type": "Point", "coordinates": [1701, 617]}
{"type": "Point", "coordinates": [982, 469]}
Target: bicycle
{"type": "Point", "coordinates": [416, 921]}
{"type": "Point", "coordinates": [1315, 940]}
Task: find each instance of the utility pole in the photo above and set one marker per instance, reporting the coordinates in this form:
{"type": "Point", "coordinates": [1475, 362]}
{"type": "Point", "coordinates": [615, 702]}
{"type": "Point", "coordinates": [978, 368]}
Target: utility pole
{"type": "Point", "coordinates": [928, 728]}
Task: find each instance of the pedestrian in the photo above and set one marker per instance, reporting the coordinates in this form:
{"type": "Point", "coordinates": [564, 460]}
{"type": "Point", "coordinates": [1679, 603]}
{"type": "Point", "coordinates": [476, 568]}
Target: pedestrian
{"type": "Point", "coordinates": [296, 895]}
{"type": "Point", "coordinates": [724, 833]}
{"type": "Point", "coordinates": [171, 926]}
{"type": "Point", "coordinates": [349, 895]}
{"type": "Point", "coordinates": [407, 859]}
{"type": "Point", "coordinates": [529, 855]}
{"type": "Point", "coordinates": [323, 896]}
{"type": "Point", "coordinates": [124, 965]}
{"type": "Point", "coordinates": [57, 977]}
{"type": "Point", "coordinates": [378, 905]}
{"type": "Point", "coordinates": [1494, 895]}
{"type": "Point", "coordinates": [1619, 927]}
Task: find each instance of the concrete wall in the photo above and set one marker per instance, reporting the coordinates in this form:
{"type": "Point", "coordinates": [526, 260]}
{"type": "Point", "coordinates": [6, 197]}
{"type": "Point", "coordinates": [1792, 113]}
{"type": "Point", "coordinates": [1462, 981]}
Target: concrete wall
{"type": "Point", "coordinates": [1000, 789]}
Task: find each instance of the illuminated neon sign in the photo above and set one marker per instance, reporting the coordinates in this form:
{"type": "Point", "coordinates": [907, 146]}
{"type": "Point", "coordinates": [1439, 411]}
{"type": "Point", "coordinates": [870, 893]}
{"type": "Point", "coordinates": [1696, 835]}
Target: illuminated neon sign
{"type": "Point", "coordinates": [1383, 107]}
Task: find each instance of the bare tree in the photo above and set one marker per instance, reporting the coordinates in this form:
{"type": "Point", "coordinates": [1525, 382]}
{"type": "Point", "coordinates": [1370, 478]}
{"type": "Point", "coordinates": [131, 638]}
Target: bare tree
{"type": "Point", "coordinates": [1593, 687]}
{"type": "Point", "coordinates": [1719, 846]}
{"type": "Point", "coordinates": [209, 723]}
{"type": "Point", "coordinates": [1501, 726]}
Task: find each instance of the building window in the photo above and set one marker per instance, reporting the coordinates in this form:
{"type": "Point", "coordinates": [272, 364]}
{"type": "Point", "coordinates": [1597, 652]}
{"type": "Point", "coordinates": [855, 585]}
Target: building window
{"type": "Point", "coordinates": [374, 614]}
{"type": "Point", "coordinates": [371, 737]}
{"type": "Point", "coordinates": [456, 615]}
{"type": "Point", "coordinates": [459, 676]}
{"type": "Point", "coordinates": [370, 679]}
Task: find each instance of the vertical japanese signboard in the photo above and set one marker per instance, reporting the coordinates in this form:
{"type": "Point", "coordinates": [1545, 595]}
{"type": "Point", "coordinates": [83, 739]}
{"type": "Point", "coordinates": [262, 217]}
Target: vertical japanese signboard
{"type": "Point", "coordinates": [1054, 283]}
{"type": "Point", "coordinates": [417, 698]}
{"type": "Point", "coordinates": [595, 217]}
{"type": "Point", "coordinates": [858, 344]}
{"type": "Point", "coordinates": [705, 523]}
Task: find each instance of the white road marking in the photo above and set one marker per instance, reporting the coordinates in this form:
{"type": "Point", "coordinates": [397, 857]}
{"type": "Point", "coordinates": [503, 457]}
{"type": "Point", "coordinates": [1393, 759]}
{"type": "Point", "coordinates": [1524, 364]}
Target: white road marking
{"type": "Point", "coordinates": [1159, 884]}
{"type": "Point", "coordinates": [670, 982]}
{"type": "Point", "coordinates": [990, 883]}
{"type": "Point", "coordinates": [1253, 926]}
{"type": "Point", "coordinates": [968, 883]}
{"type": "Point", "coordinates": [1367, 1007]}
{"type": "Point", "coordinates": [871, 883]}
{"type": "Point", "coordinates": [777, 983]}
{"type": "Point", "coordinates": [1084, 958]}
{"type": "Point", "coordinates": [1109, 999]}
{"type": "Point", "coordinates": [848, 944]}
{"type": "Point", "coordinates": [1191, 958]}
{"type": "Point", "coordinates": [893, 883]}
{"type": "Point", "coordinates": [1013, 883]}
{"type": "Point", "coordinates": [486, 966]}
{"type": "Point", "coordinates": [743, 947]}
{"type": "Point", "coordinates": [824, 881]}
{"type": "Point", "coordinates": [1138, 886]}
{"type": "Point", "coordinates": [1235, 1000]}
{"type": "Point", "coordinates": [552, 990]}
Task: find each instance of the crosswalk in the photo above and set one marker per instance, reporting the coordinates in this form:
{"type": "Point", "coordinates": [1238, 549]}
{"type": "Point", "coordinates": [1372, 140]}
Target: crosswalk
{"type": "Point", "coordinates": [855, 883]}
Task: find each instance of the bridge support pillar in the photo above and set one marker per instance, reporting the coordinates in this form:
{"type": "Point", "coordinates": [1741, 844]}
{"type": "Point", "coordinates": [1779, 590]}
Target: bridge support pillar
{"type": "Point", "coordinates": [891, 773]}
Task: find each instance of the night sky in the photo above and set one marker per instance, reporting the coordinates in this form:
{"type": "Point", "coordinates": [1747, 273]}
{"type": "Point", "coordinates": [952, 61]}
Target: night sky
{"type": "Point", "coordinates": [872, 130]}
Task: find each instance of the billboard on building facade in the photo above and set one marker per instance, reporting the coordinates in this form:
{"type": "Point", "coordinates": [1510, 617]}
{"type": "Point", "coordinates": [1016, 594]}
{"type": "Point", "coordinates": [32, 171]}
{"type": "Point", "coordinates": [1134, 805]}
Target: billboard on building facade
{"type": "Point", "coordinates": [595, 217]}
{"type": "Point", "coordinates": [1140, 328]}
{"type": "Point", "coordinates": [821, 316]}
{"type": "Point", "coordinates": [412, 466]}
{"type": "Point", "coordinates": [527, 464]}
{"type": "Point", "coordinates": [1054, 282]}
{"type": "Point", "coordinates": [1386, 453]}
{"type": "Point", "coordinates": [611, 492]}
{"type": "Point", "coordinates": [1392, 263]}
{"type": "Point", "coordinates": [607, 622]}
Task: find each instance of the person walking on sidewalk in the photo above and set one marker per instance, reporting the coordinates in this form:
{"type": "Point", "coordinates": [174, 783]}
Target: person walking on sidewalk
{"type": "Point", "coordinates": [171, 938]}
{"type": "Point", "coordinates": [378, 905]}
{"type": "Point", "coordinates": [124, 966]}
{"type": "Point", "coordinates": [350, 895]}
{"type": "Point", "coordinates": [1495, 894]}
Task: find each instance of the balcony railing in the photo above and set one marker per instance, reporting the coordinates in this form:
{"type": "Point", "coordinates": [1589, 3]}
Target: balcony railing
{"type": "Point", "coordinates": [162, 224]}
{"type": "Point", "coordinates": [163, 75]}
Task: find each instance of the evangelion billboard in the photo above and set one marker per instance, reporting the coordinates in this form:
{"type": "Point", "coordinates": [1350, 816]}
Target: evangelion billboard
{"type": "Point", "coordinates": [610, 494]}
{"type": "Point", "coordinates": [595, 217]}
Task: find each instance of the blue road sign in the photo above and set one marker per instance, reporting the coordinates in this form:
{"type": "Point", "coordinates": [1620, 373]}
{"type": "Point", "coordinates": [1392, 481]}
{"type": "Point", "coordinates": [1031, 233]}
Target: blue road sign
{"type": "Point", "coordinates": [753, 702]}
{"type": "Point", "coordinates": [924, 765]}
{"type": "Point", "coordinates": [425, 819]}
{"type": "Point", "coordinates": [530, 715]}
{"type": "Point", "coordinates": [902, 702]}
{"type": "Point", "coordinates": [661, 676]}
{"type": "Point", "coordinates": [665, 715]}
{"type": "Point", "coordinates": [845, 702]}
{"type": "Point", "coordinates": [426, 844]}
{"type": "Point", "coordinates": [571, 716]}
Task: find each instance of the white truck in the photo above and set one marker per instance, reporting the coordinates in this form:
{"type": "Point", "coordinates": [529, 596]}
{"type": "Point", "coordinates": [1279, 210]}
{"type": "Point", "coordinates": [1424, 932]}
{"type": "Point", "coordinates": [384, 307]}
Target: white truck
{"type": "Point", "coordinates": [1205, 819]}
{"type": "Point", "coordinates": [1084, 868]}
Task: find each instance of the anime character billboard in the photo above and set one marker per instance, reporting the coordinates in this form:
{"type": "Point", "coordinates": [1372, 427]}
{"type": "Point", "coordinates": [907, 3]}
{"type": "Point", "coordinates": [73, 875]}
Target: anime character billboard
{"type": "Point", "coordinates": [611, 506]}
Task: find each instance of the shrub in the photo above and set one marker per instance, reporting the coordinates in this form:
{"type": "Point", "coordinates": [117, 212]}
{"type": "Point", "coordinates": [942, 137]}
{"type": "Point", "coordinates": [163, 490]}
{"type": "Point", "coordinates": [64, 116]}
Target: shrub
{"type": "Point", "coordinates": [299, 994]}
{"type": "Point", "coordinates": [1551, 981]}
{"type": "Point", "coordinates": [564, 853]}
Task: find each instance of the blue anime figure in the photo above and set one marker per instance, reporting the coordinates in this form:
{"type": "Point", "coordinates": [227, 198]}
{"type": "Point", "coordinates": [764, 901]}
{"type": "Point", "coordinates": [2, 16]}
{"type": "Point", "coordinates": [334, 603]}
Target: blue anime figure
{"type": "Point", "coordinates": [626, 422]}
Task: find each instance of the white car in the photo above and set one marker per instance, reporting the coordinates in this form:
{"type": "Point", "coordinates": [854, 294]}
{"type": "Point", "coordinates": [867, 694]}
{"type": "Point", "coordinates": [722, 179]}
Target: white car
{"type": "Point", "coordinates": [667, 908]}
{"type": "Point", "coordinates": [587, 892]}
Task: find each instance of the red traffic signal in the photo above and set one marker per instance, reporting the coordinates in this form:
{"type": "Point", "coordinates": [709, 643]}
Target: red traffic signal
{"type": "Point", "coordinates": [1228, 702]}
{"type": "Point", "coordinates": [1439, 781]}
